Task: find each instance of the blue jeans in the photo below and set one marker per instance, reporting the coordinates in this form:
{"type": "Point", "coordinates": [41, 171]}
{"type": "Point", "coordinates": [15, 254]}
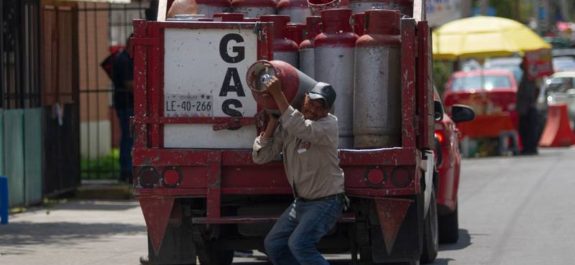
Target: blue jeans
{"type": "Point", "coordinates": [126, 142]}
{"type": "Point", "coordinates": [293, 238]}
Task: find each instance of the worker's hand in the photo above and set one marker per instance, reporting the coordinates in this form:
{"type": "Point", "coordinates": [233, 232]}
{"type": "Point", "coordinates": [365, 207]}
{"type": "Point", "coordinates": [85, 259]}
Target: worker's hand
{"type": "Point", "coordinates": [273, 86]}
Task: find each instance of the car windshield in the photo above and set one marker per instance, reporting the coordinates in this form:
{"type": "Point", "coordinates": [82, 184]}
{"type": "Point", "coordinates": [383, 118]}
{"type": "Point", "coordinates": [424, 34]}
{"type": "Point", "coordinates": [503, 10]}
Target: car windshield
{"type": "Point", "coordinates": [560, 84]}
{"type": "Point", "coordinates": [487, 82]}
{"type": "Point", "coordinates": [511, 64]}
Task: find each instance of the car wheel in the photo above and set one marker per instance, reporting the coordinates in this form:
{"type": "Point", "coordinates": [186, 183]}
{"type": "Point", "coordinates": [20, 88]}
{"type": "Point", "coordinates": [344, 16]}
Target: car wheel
{"type": "Point", "coordinates": [449, 228]}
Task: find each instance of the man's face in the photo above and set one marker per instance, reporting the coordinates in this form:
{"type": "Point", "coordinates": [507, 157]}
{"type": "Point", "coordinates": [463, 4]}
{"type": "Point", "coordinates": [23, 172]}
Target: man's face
{"type": "Point", "coordinates": [314, 109]}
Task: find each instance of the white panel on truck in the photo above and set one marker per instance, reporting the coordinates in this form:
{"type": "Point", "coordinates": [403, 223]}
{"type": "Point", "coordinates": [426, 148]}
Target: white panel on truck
{"type": "Point", "coordinates": [204, 76]}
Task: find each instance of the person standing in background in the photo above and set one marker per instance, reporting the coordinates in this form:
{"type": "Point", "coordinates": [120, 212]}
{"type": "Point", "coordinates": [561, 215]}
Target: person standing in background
{"type": "Point", "coordinates": [526, 108]}
{"type": "Point", "coordinates": [123, 100]}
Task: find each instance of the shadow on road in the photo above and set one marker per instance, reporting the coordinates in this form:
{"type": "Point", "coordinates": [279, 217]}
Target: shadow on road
{"type": "Point", "coordinates": [93, 205]}
{"type": "Point", "coordinates": [463, 242]}
{"type": "Point", "coordinates": [64, 233]}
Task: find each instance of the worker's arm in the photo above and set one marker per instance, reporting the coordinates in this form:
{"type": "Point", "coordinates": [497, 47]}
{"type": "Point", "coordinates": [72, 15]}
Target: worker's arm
{"type": "Point", "coordinates": [275, 90]}
{"type": "Point", "coordinates": [268, 145]}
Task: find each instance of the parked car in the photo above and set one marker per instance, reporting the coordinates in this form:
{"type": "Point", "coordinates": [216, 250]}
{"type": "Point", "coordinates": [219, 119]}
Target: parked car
{"type": "Point", "coordinates": [486, 91]}
{"type": "Point", "coordinates": [448, 164]}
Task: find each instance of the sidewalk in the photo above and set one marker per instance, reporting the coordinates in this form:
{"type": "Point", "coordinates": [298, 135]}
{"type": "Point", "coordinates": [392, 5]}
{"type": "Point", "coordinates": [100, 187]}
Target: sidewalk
{"type": "Point", "coordinates": [76, 232]}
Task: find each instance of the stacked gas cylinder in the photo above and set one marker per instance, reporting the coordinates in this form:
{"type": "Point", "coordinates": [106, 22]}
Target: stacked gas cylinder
{"type": "Point", "coordinates": [356, 48]}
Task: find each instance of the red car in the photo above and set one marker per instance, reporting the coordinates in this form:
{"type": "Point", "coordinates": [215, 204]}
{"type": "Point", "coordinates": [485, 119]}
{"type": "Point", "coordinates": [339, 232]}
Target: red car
{"type": "Point", "coordinates": [492, 95]}
{"type": "Point", "coordinates": [448, 163]}
{"type": "Point", "coordinates": [488, 91]}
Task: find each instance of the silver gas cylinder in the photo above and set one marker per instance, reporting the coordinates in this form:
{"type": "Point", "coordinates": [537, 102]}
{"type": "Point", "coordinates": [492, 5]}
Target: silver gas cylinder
{"type": "Point", "coordinates": [254, 8]}
{"type": "Point", "coordinates": [284, 49]}
{"type": "Point", "coordinates": [377, 95]}
{"type": "Point", "coordinates": [404, 6]}
{"type": "Point", "coordinates": [306, 53]}
{"type": "Point", "coordinates": [297, 10]}
{"type": "Point", "coordinates": [210, 7]}
{"type": "Point", "coordinates": [334, 57]}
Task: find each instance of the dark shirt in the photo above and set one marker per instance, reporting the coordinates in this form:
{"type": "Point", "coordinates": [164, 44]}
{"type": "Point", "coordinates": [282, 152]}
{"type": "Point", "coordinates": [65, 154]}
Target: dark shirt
{"type": "Point", "coordinates": [122, 71]}
{"type": "Point", "coordinates": [526, 95]}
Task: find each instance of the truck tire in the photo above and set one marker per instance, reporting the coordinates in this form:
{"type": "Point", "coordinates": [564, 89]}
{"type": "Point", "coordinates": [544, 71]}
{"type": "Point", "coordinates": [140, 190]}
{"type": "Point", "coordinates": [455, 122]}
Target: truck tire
{"type": "Point", "coordinates": [208, 248]}
{"type": "Point", "coordinates": [449, 227]}
{"type": "Point", "coordinates": [210, 254]}
{"type": "Point", "coordinates": [430, 233]}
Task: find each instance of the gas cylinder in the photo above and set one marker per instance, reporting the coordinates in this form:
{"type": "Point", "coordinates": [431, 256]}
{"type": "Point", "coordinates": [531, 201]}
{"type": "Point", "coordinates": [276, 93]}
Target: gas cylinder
{"type": "Point", "coordinates": [306, 53]}
{"type": "Point", "coordinates": [210, 7]}
{"type": "Point", "coordinates": [254, 8]}
{"type": "Point", "coordinates": [333, 64]}
{"type": "Point", "coordinates": [377, 95]}
{"type": "Point", "coordinates": [182, 7]}
{"type": "Point", "coordinates": [316, 6]}
{"type": "Point", "coordinates": [283, 48]}
{"type": "Point", "coordinates": [229, 17]}
{"type": "Point", "coordinates": [294, 83]}
{"type": "Point", "coordinates": [404, 6]}
{"type": "Point", "coordinates": [297, 10]}
{"type": "Point", "coordinates": [294, 31]}
{"type": "Point", "coordinates": [358, 23]}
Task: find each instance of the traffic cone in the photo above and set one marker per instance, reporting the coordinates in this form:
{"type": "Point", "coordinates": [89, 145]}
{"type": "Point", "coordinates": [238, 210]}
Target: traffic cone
{"type": "Point", "coordinates": [558, 131]}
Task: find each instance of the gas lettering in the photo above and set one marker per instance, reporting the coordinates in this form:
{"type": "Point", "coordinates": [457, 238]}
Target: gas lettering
{"type": "Point", "coordinates": [239, 51]}
{"type": "Point", "coordinates": [226, 107]}
{"type": "Point", "coordinates": [235, 86]}
{"type": "Point", "coordinates": [232, 82]}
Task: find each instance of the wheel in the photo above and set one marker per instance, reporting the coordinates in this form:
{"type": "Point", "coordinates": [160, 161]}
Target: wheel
{"type": "Point", "coordinates": [449, 228]}
{"type": "Point", "coordinates": [210, 254]}
{"type": "Point", "coordinates": [208, 249]}
{"type": "Point", "coordinates": [430, 233]}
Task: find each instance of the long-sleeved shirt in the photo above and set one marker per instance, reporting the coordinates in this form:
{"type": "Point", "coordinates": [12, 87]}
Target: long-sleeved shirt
{"type": "Point", "coordinates": [310, 154]}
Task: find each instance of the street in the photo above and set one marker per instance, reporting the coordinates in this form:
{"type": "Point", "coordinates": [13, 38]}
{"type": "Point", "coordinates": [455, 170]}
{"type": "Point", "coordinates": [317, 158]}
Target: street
{"type": "Point", "coordinates": [513, 210]}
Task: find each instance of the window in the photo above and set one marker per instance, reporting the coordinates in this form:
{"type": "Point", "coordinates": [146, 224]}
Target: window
{"type": "Point", "coordinates": [486, 82]}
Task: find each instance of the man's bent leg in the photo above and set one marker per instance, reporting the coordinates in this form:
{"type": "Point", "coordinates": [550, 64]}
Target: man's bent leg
{"type": "Point", "coordinates": [276, 241]}
{"type": "Point", "coordinates": [316, 219]}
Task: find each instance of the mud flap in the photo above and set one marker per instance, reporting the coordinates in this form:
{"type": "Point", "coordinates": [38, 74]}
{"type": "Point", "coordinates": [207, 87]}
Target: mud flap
{"type": "Point", "coordinates": [398, 237]}
{"type": "Point", "coordinates": [391, 213]}
{"type": "Point", "coordinates": [156, 212]}
{"type": "Point", "coordinates": [176, 247]}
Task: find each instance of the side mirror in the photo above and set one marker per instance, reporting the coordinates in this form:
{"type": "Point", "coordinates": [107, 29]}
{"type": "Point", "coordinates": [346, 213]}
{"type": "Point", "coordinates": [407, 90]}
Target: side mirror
{"type": "Point", "coordinates": [461, 113]}
{"type": "Point", "coordinates": [437, 111]}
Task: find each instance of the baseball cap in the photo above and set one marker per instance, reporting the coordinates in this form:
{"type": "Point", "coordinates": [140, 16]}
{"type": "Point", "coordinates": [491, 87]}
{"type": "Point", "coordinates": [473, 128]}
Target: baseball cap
{"type": "Point", "coordinates": [323, 91]}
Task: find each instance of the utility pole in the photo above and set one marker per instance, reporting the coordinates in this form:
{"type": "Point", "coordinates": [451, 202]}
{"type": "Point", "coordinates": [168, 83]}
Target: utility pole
{"type": "Point", "coordinates": [565, 10]}
{"type": "Point", "coordinates": [484, 5]}
{"type": "Point", "coordinates": [465, 8]}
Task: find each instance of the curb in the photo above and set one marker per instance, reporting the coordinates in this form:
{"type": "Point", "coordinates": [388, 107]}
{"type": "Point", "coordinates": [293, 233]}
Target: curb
{"type": "Point", "coordinates": [104, 190]}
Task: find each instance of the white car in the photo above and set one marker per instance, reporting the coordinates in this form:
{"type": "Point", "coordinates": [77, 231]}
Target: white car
{"type": "Point", "coordinates": [560, 88]}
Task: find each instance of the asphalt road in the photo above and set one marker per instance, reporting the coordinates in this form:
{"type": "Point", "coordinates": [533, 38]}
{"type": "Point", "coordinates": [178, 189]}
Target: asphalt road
{"type": "Point", "coordinates": [513, 211]}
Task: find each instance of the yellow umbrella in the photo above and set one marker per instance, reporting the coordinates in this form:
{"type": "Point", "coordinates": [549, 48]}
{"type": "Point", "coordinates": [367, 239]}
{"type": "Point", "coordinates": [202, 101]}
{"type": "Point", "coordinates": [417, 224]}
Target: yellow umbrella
{"type": "Point", "coordinates": [481, 36]}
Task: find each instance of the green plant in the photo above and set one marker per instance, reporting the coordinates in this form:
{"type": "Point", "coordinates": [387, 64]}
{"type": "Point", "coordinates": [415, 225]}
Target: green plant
{"type": "Point", "coordinates": [441, 73]}
{"type": "Point", "coordinates": [105, 167]}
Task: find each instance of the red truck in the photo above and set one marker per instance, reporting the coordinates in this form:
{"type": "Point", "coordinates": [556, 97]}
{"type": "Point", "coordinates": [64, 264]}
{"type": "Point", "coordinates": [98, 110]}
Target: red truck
{"type": "Point", "coordinates": [200, 192]}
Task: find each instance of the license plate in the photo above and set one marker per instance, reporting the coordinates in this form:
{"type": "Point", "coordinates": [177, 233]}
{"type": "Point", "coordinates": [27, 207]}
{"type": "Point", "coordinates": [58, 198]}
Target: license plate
{"type": "Point", "coordinates": [188, 106]}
